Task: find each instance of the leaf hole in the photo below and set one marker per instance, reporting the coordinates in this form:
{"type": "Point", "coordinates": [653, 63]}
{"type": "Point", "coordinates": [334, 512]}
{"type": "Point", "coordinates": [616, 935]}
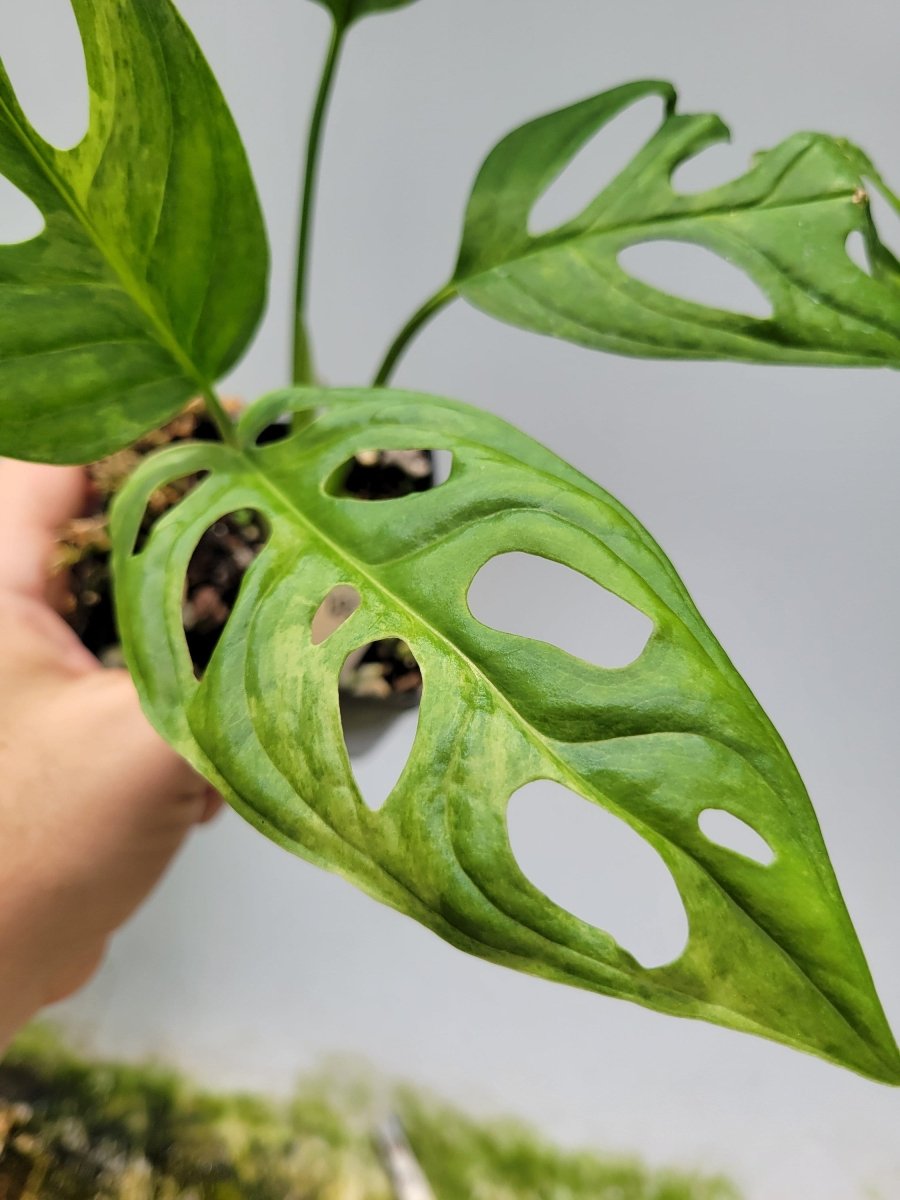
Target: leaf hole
{"type": "Point", "coordinates": [276, 431]}
{"type": "Point", "coordinates": [338, 606]}
{"type": "Point", "coordinates": [20, 218]}
{"type": "Point", "coordinates": [538, 598]}
{"type": "Point", "coordinates": [44, 57]}
{"type": "Point", "coordinates": [595, 165]}
{"type": "Point", "coordinates": [160, 501]}
{"type": "Point", "coordinates": [191, 424]}
{"type": "Point", "coordinates": [441, 466]}
{"type": "Point", "coordinates": [86, 549]}
{"type": "Point", "coordinates": [726, 830]}
{"type": "Point", "coordinates": [696, 274]}
{"type": "Point", "coordinates": [712, 168]}
{"type": "Point", "coordinates": [887, 220]}
{"type": "Point", "coordinates": [379, 738]}
{"type": "Point", "coordinates": [386, 474]}
{"type": "Point", "coordinates": [596, 867]}
{"type": "Point", "coordinates": [386, 670]}
{"type": "Point", "coordinates": [855, 247]}
{"type": "Point", "coordinates": [214, 577]}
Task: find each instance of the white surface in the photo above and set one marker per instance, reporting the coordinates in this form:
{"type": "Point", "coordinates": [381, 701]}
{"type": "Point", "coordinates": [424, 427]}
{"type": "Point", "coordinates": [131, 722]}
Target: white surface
{"type": "Point", "coordinates": [775, 491]}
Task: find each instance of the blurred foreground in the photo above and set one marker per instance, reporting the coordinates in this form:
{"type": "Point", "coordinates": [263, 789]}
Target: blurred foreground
{"type": "Point", "coordinates": [72, 1130]}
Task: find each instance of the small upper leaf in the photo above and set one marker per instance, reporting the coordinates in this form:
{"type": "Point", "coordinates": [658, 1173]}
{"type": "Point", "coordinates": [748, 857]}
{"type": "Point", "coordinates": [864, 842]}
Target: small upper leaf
{"type": "Point", "coordinates": [785, 223]}
{"type": "Point", "coordinates": [345, 12]}
{"type": "Point", "coordinates": [150, 275]}
{"type": "Point", "coordinates": [657, 743]}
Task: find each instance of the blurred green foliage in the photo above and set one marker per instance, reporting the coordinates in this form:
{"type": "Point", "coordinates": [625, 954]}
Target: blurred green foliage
{"type": "Point", "coordinates": [466, 1159]}
{"type": "Point", "coordinates": [76, 1130]}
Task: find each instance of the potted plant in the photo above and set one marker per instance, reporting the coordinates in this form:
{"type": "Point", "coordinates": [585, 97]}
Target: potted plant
{"type": "Point", "coordinates": [144, 288]}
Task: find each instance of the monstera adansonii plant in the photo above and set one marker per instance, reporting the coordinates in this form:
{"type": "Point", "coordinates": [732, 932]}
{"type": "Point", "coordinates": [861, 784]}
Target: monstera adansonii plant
{"type": "Point", "coordinates": [143, 289]}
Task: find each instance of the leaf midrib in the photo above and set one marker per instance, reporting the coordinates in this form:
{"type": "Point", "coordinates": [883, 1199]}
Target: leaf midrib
{"type": "Point", "coordinates": [579, 241]}
{"type": "Point", "coordinates": [547, 243]}
{"type": "Point", "coordinates": [739, 686]}
{"type": "Point", "coordinates": [160, 329]}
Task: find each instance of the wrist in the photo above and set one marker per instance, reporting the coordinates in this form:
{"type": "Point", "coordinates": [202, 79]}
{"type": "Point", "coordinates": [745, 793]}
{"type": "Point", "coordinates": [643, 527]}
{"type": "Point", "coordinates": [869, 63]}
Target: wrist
{"type": "Point", "coordinates": [36, 948]}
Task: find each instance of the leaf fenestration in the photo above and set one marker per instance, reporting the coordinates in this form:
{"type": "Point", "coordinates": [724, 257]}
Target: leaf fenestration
{"type": "Point", "coordinates": [785, 223]}
{"type": "Point", "coordinates": [771, 949]}
{"type": "Point", "coordinates": [150, 275]}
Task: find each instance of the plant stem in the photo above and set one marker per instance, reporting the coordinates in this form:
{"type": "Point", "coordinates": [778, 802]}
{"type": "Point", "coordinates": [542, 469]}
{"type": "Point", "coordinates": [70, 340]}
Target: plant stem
{"type": "Point", "coordinates": [413, 326]}
{"type": "Point", "coordinates": [303, 367]}
{"type": "Point", "coordinates": [216, 412]}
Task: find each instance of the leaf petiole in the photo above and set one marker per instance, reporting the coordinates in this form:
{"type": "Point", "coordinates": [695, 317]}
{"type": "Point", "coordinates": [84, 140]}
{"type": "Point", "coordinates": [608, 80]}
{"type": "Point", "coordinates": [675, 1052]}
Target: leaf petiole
{"type": "Point", "coordinates": [413, 326]}
{"type": "Point", "coordinates": [303, 366]}
{"type": "Point", "coordinates": [217, 413]}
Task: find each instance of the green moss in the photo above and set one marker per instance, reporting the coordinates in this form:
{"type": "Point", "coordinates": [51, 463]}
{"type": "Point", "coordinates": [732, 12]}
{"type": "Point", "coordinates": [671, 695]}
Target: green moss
{"type": "Point", "coordinates": [102, 1131]}
{"type": "Point", "coordinates": [507, 1160]}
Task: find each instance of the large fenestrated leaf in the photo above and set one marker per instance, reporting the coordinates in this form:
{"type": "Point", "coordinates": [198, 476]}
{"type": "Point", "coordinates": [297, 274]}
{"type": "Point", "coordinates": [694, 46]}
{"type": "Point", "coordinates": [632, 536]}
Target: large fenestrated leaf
{"type": "Point", "coordinates": [785, 223]}
{"type": "Point", "coordinates": [771, 949]}
{"type": "Point", "coordinates": [345, 12]}
{"type": "Point", "coordinates": [150, 275]}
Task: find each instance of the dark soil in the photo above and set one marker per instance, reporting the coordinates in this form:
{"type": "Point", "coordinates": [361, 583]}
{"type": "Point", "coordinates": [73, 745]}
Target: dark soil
{"type": "Point", "coordinates": [384, 671]}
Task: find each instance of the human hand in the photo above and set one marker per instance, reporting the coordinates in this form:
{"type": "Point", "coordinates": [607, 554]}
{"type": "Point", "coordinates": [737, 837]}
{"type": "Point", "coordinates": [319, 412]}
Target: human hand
{"type": "Point", "coordinates": [93, 804]}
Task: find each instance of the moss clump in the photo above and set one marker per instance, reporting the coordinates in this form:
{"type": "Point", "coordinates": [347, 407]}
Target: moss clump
{"type": "Point", "coordinates": [507, 1160]}
{"type": "Point", "coordinates": [73, 1130]}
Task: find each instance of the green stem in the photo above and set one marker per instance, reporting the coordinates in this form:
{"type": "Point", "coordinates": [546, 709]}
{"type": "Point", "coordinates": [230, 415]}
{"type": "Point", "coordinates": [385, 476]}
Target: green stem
{"type": "Point", "coordinates": [413, 326]}
{"type": "Point", "coordinates": [303, 367]}
{"type": "Point", "coordinates": [216, 412]}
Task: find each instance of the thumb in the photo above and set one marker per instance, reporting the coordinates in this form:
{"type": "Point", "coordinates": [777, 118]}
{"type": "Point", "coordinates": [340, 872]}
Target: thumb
{"type": "Point", "coordinates": [35, 501]}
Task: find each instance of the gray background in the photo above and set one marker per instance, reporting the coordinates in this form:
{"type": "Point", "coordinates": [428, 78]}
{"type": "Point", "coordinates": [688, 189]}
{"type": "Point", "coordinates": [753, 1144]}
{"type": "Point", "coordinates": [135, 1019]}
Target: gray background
{"type": "Point", "coordinates": [775, 491]}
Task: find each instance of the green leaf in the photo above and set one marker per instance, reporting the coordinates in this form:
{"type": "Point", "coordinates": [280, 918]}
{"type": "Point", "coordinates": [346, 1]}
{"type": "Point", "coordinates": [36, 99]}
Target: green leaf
{"type": "Point", "coordinates": [150, 275]}
{"type": "Point", "coordinates": [771, 949]}
{"type": "Point", "coordinates": [785, 223]}
{"type": "Point", "coordinates": [345, 12]}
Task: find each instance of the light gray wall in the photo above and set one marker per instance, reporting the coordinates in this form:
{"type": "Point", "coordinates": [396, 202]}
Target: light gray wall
{"type": "Point", "coordinates": [775, 491]}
